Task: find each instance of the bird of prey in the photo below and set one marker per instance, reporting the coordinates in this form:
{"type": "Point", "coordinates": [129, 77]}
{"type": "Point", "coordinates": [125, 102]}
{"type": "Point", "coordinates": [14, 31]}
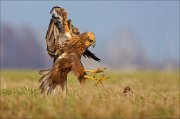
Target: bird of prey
{"type": "Point", "coordinates": [60, 29]}
{"type": "Point", "coordinates": [66, 45]}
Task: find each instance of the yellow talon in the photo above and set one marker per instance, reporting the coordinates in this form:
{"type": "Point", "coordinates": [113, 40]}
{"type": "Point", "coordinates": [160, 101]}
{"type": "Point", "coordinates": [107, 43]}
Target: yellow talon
{"type": "Point", "coordinates": [88, 77]}
{"type": "Point", "coordinates": [99, 70]}
{"type": "Point", "coordinates": [101, 79]}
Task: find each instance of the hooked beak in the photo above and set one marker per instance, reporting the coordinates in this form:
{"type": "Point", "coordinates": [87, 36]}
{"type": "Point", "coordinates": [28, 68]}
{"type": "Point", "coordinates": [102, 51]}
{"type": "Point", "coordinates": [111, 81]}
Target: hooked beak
{"type": "Point", "coordinates": [93, 45]}
{"type": "Point", "coordinates": [58, 19]}
{"type": "Point", "coordinates": [54, 13]}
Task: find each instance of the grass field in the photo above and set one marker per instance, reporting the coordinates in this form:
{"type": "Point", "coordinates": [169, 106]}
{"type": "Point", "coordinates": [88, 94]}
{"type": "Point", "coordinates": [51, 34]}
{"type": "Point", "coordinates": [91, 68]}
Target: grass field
{"type": "Point", "coordinates": [155, 94]}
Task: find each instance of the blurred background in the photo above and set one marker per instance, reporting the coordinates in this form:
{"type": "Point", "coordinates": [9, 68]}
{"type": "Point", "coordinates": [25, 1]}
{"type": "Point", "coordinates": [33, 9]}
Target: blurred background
{"type": "Point", "coordinates": [130, 35]}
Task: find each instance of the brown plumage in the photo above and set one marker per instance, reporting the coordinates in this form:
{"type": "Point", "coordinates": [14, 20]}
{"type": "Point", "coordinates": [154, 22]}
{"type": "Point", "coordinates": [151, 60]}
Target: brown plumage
{"type": "Point", "coordinates": [66, 45]}
{"type": "Point", "coordinates": [60, 29]}
{"type": "Point", "coordinates": [69, 59]}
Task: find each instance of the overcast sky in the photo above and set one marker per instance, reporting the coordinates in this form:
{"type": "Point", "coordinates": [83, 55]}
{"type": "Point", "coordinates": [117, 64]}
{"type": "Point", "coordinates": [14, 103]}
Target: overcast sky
{"type": "Point", "coordinates": [155, 23]}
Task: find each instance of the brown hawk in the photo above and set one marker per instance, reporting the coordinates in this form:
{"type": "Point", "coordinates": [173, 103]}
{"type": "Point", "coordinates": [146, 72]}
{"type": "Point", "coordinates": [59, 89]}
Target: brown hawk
{"type": "Point", "coordinates": [60, 29]}
{"type": "Point", "coordinates": [66, 45]}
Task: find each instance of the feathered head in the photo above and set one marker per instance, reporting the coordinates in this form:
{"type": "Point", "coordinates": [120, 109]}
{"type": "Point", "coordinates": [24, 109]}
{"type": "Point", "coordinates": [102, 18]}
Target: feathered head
{"type": "Point", "coordinates": [59, 13]}
{"type": "Point", "coordinates": [88, 38]}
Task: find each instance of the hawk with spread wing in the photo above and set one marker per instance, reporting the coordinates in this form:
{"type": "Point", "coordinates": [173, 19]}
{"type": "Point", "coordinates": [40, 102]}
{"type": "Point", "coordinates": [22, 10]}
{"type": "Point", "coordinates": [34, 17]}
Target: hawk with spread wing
{"type": "Point", "coordinates": [66, 45]}
{"type": "Point", "coordinates": [60, 29]}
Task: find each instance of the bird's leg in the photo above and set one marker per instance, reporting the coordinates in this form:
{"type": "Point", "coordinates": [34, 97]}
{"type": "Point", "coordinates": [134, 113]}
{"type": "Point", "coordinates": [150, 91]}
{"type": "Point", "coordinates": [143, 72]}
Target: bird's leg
{"type": "Point", "coordinates": [98, 80]}
{"type": "Point", "coordinates": [88, 77]}
{"type": "Point", "coordinates": [92, 71]}
{"type": "Point", "coordinates": [82, 79]}
{"type": "Point", "coordinates": [101, 79]}
{"type": "Point", "coordinates": [99, 70]}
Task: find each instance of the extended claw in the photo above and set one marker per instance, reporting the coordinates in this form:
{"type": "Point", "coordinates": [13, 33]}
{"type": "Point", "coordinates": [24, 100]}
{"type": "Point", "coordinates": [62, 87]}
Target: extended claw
{"type": "Point", "coordinates": [101, 79]}
{"type": "Point", "coordinates": [99, 70]}
{"type": "Point", "coordinates": [88, 77]}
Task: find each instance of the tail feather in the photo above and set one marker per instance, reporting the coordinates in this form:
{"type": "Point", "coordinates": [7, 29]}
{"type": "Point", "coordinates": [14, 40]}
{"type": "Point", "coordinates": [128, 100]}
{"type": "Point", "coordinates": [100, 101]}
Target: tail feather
{"type": "Point", "coordinates": [44, 77]}
{"type": "Point", "coordinates": [44, 72]}
{"type": "Point", "coordinates": [44, 86]}
{"type": "Point", "coordinates": [51, 89]}
{"type": "Point", "coordinates": [49, 80]}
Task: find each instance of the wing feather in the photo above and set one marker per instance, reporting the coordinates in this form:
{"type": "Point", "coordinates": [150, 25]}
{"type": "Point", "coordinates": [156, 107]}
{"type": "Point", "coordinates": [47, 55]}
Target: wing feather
{"type": "Point", "coordinates": [89, 54]}
{"type": "Point", "coordinates": [54, 37]}
{"type": "Point", "coordinates": [74, 30]}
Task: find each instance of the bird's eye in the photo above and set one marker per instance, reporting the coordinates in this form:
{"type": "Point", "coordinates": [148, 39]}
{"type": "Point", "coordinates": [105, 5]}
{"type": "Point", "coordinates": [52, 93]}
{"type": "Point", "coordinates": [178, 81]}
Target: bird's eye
{"type": "Point", "coordinates": [90, 40]}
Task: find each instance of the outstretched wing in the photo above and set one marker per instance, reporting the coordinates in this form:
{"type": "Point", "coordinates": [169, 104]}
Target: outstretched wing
{"type": "Point", "coordinates": [57, 32]}
{"type": "Point", "coordinates": [89, 54]}
{"type": "Point", "coordinates": [51, 37]}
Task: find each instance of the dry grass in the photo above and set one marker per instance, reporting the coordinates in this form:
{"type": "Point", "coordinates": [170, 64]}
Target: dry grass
{"type": "Point", "coordinates": [155, 94]}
